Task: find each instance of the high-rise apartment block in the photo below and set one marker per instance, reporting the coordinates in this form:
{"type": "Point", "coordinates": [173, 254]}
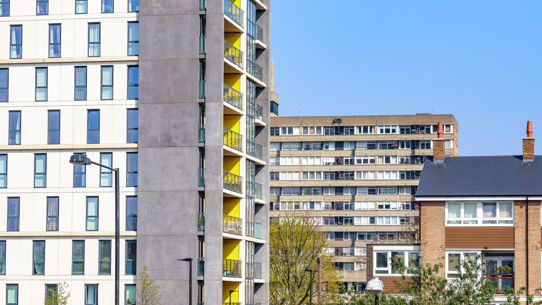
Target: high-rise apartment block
{"type": "Point", "coordinates": [356, 176]}
{"type": "Point", "coordinates": [174, 94]}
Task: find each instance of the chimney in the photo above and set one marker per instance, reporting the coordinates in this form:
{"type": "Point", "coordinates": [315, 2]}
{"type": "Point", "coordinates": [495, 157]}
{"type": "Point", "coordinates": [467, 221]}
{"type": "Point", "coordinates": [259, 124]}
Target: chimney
{"type": "Point", "coordinates": [528, 144]}
{"type": "Point", "coordinates": [438, 145]}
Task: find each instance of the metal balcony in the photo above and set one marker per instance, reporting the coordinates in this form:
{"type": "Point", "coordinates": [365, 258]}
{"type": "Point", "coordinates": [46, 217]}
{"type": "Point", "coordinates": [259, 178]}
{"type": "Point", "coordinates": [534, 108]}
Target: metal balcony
{"type": "Point", "coordinates": [254, 190]}
{"type": "Point", "coordinates": [201, 177]}
{"type": "Point", "coordinates": [201, 5]}
{"type": "Point", "coordinates": [254, 149]}
{"type": "Point", "coordinates": [232, 53]}
{"type": "Point", "coordinates": [233, 139]}
{"type": "Point", "coordinates": [201, 266]}
{"type": "Point", "coordinates": [201, 88]}
{"type": "Point", "coordinates": [201, 222]}
{"type": "Point", "coordinates": [254, 110]}
{"type": "Point", "coordinates": [231, 268]}
{"type": "Point", "coordinates": [232, 182]}
{"type": "Point", "coordinates": [233, 97]}
{"type": "Point", "coordinates": [254, 69]}
{"type": "Point", "coordinates": [233, 225]}
{"type": "Point", "coordinates": [202, 45]}
{"type": "Point", "coordinates": [234, 12]}
{"type": "Point", "coordinates": [254, 229]}
{"type": "Point", "coordinates": [254, 270]}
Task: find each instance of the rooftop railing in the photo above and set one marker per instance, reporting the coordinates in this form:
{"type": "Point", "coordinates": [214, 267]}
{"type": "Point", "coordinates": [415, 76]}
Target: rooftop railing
{"type": "Point", "coordinates": [233, 54]}
{"type": "Point", "coordinates": [233, 139]}
{"type": "Point", "coordinates": [234, 12]}
{"type": "Point", "coordinates": [232, 182]}
{"type": "Point", "coordinates": [233, 97]}
{"type": "Point", "coordinates": [233, 225]}
{"type": "Point", "coordinates": [231, 268]}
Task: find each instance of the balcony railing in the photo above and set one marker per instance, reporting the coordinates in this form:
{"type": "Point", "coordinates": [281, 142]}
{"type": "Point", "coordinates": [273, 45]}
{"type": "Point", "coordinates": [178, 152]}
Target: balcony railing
{"type": "Point", "coordinates": [201, 133]}
{"type": "Point", "coordinates": [255, 111]}
{"type": "Point", "coordinates": [234, 12]}
{"type": "Point", "coordinates": [254, 149]}
{"type": "Point", "coordinates": [254, 270]}
{"type": "Point", "coordinates": [254, 190]}
{"type": "Point", "coordinates": [202, 44]}
{"type": "Point", "coordinates": [254, 229]}
{"type": "Point", "coordinates": [201, 222]}
{"type": "Point", "coordinates": [201, 89]}
{"type": "Point", "coordinates": [233, 97]}
{"type": "Point", "coordinates": [254, 69]}
{"type": "Point", "coordinates": [233, 225]}
{"type": "Point", "coordinates": [232, 53]}
{"type": "Point", "coordinates": [231, 268]}
{"type": "Point", "coordinates": [232, 303]}
{"type": "Point", "coordinates": [500, 281]}
{"type": "Point", "coordinates": [201, 177]}
{"type": "Point", "coordinates": [233, 139]}
{"type": "Point", "coordinates": [201, 5]}
{"type": "Point", "coordinates": [232, 182]}
{"type": "Point", "coordinates": [201, 266]}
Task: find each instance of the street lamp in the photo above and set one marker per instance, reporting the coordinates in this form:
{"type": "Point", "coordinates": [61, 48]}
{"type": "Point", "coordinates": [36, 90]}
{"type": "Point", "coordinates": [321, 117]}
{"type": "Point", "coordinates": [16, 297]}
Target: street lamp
{"type": "Point", "coordinates": [82, 159]}
{"type": "Point", "coordinates": [375, 287]}
{"type": "Point", "coordinates": [310, 285]}
{"type": "Point", "coordinates": [189, 260]}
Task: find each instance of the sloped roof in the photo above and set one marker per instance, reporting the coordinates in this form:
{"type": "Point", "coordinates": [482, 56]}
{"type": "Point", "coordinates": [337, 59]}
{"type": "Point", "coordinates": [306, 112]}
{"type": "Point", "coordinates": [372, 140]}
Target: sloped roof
{"type": "Point", "coordinates": [481, 176]}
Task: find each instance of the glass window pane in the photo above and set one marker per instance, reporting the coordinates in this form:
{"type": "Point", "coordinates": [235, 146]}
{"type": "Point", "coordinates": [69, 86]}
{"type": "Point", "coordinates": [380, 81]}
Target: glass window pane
{"type": "Point", "coordinates": [490, 210]}
{"type": "Point", "coordinates": [12, 294]}
{"type": "Point", "coordinates": [133, 82]}
{"type": "Point", "coordinates": [453, 262]}
{"type": "Point", "coordinates": [2, 257]}
{"type": "Point", "coordinates": [106, 175]}
{"type": "Point", "coordinates": [130, 293]}
{"type": "Point", "coordinates": [397, 258]}
{"type": "Point", "coordinates": [4, 85]}
{"type": "Point", "coordinates": [470, 209]}
{"type": "Point", "coordinates": [107, 6]}
{"type": "Point", "coordinates": [132, 134]}
{"type": "Point", "coordinates": [505, 210]}
{"type": "Point", "coordinates": [94, 48]}
{"type": "Point", "coordinates": [107, 83]}
{"type": "Point", "coordinates": [54, 40]}
{"type": "Point", "coordinates": [53, 134]}
{"type": "Point", "coordinates": [381, 259]}
{"type": "Point", "coordinates": [81, 6]}
{"type": "Point", "coordinates": [454, 210]}
{"type": "Point", "coordinates": [131, 213]}
{"type": "Point", "coordinates": [131, 169]}
{"type": "Point", "coordinates": [91, 295]}
{"type": "Point", "coordinates": [133, 5]}
{"type": "Point", "coordinates": [38, 257]}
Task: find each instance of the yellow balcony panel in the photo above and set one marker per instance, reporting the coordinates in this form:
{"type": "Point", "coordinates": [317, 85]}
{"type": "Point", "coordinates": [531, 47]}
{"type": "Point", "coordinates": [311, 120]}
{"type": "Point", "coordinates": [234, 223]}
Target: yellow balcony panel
{"type": "Point", "coordinates": [233, 139]}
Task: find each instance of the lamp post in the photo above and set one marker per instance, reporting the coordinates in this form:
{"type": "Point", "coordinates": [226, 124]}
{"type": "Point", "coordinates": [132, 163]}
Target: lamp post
{"type": "Point", "coordinates": [375, 287]}
{"type": "Point", "coordinates": [189, 260]}
{"type": "Point", "coordinates": [82, 159]}
{"type": "Point", "coordinates": [310, 285]}
{"type": "Point", "coordinates": [230, 295]}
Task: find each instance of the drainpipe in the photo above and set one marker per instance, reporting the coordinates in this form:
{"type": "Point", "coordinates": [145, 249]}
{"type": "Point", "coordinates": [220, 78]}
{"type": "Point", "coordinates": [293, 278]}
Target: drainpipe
{"type": "Point", "coordinates": [527, 246]}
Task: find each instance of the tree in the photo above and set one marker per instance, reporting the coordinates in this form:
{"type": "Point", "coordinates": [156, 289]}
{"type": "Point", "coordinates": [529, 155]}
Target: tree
{"type": "Point", "coordinates": [59, 297]}
{"type": "Point", "coordinates": [148, 292]}
{"type": "Point", "coordinates": [295, 245]}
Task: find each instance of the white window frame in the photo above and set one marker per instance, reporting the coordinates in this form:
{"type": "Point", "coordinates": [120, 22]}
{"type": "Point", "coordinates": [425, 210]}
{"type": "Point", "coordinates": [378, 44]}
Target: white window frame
{"type": "Point", "coordinates": [461, 259]}
{"type": "Point", "coordinates": [479, 215]}
{"type": "Point", "coordinates": [389, 262]}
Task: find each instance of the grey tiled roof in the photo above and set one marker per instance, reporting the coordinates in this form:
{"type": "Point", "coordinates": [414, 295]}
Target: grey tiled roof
{"type": "Point", "coordinates": [481, 176]}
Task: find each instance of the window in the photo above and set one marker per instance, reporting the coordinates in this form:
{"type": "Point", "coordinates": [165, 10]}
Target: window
{"type": "Point", "coordinates": [449, 144]}
{"type": "Point", "coordinates": [93, 127]}
{"type": "Point", "coordinates": [107, 6]}
{"type": "Point", "coordinates": [16, 42]}
{"type": "Point", "coordinates": [291, 146]}
{"type": "Point", "coordinates": [54, 40]}
{"type": "Point", "coordinates": [131, 213]}
{"type": "Point", "coordinates": [133, 5]}
{"type": "Point", "coordinates": [104, 266]}
{"type": "Point", "coordinates": [40, 170]}
{"type": "Point", "coordinates": [38, 257]}
{"type": "Point", "coordinates": [14, 128]}
{"type": "Point", "coordinates": [91, 294]}
{"type": "Point", "coordinates": [131, 250]}
{"type": "Point", "coordinates": [365, 129]}
{"type": "Point", "coordinates": [92, 213]}
{"type": "Point", "coordinates": [51, 291]}
{"type": "Point", "coordinates": [53, 127]}
{"type": "Point", "coordinates": [94, 40]}
{"type": "Point", "coordinates": [4, 8]}
{"type": "Point", "coordinates": [2, 257]}
{"type": "Point", "coordinates": [454, 261]}
{"type": "Point", "coordinates": [81, 6]}
{"type": "Point", "coordinates": [387, 129]}
{"type": "Point", "coordinates": [79, 175]}
{"type": "Point", "coordinates": [274, 131]}
{"type": "Point", "coordinates": [106, 175]}
{"type": "Point", "coordinates": [13, 214]}
{"type": "Point", "coordinates": [42, 7]}
{"type": "Point", "coordinates": [3, 171]}
{"type": "Point", "coordinates": [130, 294]}
{"type": "Point", "coordinates": [4, 84]}
{"type": "Point", "coordinates": [131, 169]}
{"type": "Point", "coordinates": [133, 82]}
{"type": "Point", "coordinates": [107, 83]}
{"type": "Point", "coordinates": [78, 257]}
{"type": "Point", "coordinates": [12, 294]}
{"type": "Point", "coordinates": [80, 91]}
{"type": "Point", "coordinates": [41, 84]}
{"type": "Point", "coordinates": [385, 261]}
{"type": "Point", "coordinates": [132, 126]}
{"type": "Point", "coordinates": [479, 213]}
{"type": "Point", "coordinates": [133, 38]}
{"type": "Point", "coordinates": [52, 214]}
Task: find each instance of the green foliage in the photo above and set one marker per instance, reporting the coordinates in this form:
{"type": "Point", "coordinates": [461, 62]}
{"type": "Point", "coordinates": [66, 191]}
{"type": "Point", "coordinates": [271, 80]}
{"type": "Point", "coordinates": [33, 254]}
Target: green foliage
{"type": "Point", "coordinates": [59, 297]}
{"type": "Point", "coordinates": [148, 292]}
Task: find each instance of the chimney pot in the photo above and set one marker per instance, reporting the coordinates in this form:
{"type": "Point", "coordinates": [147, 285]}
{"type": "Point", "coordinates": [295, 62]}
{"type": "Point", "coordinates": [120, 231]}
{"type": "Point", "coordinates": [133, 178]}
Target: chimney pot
{"type": "Point", "coordinates": [529, 129]}
{"type": "Point", "coordinates": [440, 130]}
{"type": "Point", "coordinates": [439, 150]}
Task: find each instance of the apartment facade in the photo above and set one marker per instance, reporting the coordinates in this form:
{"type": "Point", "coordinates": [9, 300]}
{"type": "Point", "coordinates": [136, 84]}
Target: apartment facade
{"type": "Point", "coordinates": [189, 143]}
{"type": "Point", "coordinates": [356, 176]}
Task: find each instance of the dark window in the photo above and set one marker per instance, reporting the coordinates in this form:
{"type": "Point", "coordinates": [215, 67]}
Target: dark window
{"type": "Point", "coordinates": [106, 175]}
{"type": "Point", "coordinates": [53, 125]}
{"type": "Point", "coordinates": [79, 175]}
{"type": "Point", "coordinates": [78, 257]}
{"type": "Point", "coordinates": [104, 266]}
{"type": "Point", "coordinates": [91, 294]}
{"type": "Point", "coordinates": [274, 107]}
{"type": "Point", "coordinates": [3, 171]}
{"type": "Point", "coordinates": [13, 214]}
{"type": "Point", "coordinates": [12, 294]}
{"type": "Point", "coordinates": [107, 83]}
{"type": "Point", "coordinates": [131, 213]}
{"type": "Point", "coordinates": [4, 8]}
{"type": "Point", "coordinates": [274, 131]}
{"type": "Point", "coordinates": [54, 40]}
{"type": "Point", "coordinates": [52, 213]}
{"type": "Point", "coordinates": [131, 250]}
{"type": "Point", "coordinates": [130, 294]}
{"type": "Point", "coordinates": [14, 128]}
{"type": "Point", "coordinates": [42, 7]}
{"type": "Point", "coordinates": [108, 6]}
{"type": "Point", "coordinates": [133, 38]}
{"type": "Point", "coordinates": [133, 82]}
{"type": "Point", "coordinates": [92, 213]}
{"type": "Point", "coordinates": [41, 84]}
{"type": "Point", "coordinates": [51, 291]}
{"type": "Point", "coordinates": [4, 85]}
{"type": "Point", "coordinates": [16, 42]}
{"type": "Point", "coordinates": [131, 169]}
{"type": "Point", "coordinates": [93, 127]}
{"type": "Point", "coordinates": [132, 128]}
{"type": "Point", "coordinates": [38, 257]}
{"type": "Point", "coordinates": [2, 257]}
{"type": "Point", "coordinates": [133, 5]}
{"type": "Point", "coordinates": [40, 170]}
{"type": "Point", "coordinates": [94, 40]}
{"type": "Point", "coordinates": [80, 91]}
{"type": "Point", "coordinates": [81, 6]}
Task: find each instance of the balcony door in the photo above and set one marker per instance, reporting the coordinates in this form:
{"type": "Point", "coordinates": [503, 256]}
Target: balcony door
{"type": "Point", "coordinates": [500, 271]}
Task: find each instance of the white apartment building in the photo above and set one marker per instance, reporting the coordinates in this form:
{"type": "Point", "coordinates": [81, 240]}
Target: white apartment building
{"type": "Point", "coordinates": [69, 81]}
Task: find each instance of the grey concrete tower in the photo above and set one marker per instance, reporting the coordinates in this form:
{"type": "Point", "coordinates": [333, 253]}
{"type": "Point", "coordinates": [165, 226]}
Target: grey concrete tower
{"type": "Point", "coordinates": [204, 114]}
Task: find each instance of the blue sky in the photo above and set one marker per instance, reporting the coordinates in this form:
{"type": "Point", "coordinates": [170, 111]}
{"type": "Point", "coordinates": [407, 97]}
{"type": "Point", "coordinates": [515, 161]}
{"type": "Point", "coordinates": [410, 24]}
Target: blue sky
{"type": "Point", "coordinates": [480, 60]}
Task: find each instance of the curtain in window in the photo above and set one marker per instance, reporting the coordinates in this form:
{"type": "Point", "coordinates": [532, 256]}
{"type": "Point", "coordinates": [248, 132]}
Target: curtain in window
{"type": "Point", "coordinates": [107, 83]}
{"type": "Point", "coordinates": [52, 214]}
{"type": "Point", "coordinates": [12, 294]}
{"type": "Point", "coordinates": [94, 39]}
{"type": "Point", "coordinates": [470, 210]}
{"type": "Point", "coordinates": [454, 210]}
{"type": "Point", "coordinates": [41, 84]}
{"type": "Point", "coordinates": [92, 214]}
{"type": "Point", "coordinates": [490, 210]}
{"type": "Point", "coordinates": [39, 258]}
{"type": "Point", "coordinates": [81, 6]}
{"type": "Point", "coordinates": [16, 42]}
{"type": "Point", "coordinates": [54, 40]}
{"type": "Point", "coordinates": [91, 295]}
{"type": "Point", "coordinates": [453, 262]}
{"type": "Point", "coordinates": [505, 210]}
